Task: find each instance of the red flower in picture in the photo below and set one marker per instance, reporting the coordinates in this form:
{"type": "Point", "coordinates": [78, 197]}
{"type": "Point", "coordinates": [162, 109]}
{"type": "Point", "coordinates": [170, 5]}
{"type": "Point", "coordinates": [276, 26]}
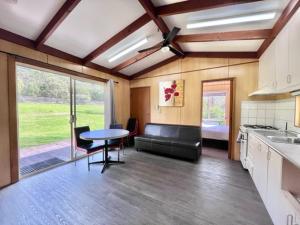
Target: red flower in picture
{"type": "Point", "coordinates": [171, 91]}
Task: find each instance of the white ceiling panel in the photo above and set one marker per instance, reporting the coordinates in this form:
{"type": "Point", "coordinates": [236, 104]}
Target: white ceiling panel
{"type": "Point", "coordinates": [147, 62]}
{"type": "Point", "coordinates": [149, 31]}
{"type": "Point", "coordinates": [181, 20]}
{"type": "Point", "coordinates": [165, 2]}
{"type": "Point", "coordinates": [92, 23]}
{"type": "Point", "coordinates": [27, 17]}
{"type": "Point", "coordinates": [223, 46]}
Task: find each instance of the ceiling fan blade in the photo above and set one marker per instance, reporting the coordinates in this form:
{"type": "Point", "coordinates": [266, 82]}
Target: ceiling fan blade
{"type": "Point", "coordinates": [171, 35]}
{"type": "Point", "coordinates": [148, 49]}
{"type": "Point", "coordinates": [157, 46]}
{"type": "Point", "coordinates": [175, 51]}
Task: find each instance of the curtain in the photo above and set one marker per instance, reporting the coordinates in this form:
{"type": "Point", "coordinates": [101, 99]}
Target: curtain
{"type": "Point", "coordinates": [109, 107]}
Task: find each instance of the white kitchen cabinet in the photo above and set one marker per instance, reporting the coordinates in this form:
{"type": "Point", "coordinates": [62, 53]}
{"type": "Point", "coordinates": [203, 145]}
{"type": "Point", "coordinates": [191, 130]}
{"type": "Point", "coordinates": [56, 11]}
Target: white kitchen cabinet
{"type": "Point", "coordinates": [274, 192]}
{"type": "Point", "coordinates": [267, 68]}
{"type": "Point", "coordinates": [260, 171]}
{"type": "Point", "coordinates": [267, 175]}
{"type": "Point", "coordinates": [294, 49]}
{"type": "Point", "coordinates": [283, 78]}
{"type": "Point", "coordinates": [279, 67]}
{"type": "Point", "coordinates": [288, 214]}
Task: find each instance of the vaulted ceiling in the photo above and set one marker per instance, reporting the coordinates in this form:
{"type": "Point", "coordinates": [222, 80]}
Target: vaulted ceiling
{"type": "Point", "coordinates": [92, 31]}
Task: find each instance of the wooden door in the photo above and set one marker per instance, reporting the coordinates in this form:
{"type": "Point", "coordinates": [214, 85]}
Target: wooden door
{"type": "Point", "coordinates": [140, 106]}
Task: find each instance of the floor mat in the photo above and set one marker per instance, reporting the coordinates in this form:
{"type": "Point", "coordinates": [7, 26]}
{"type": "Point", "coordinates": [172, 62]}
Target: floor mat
{"type": "Point", "coordinates": [40, 165]}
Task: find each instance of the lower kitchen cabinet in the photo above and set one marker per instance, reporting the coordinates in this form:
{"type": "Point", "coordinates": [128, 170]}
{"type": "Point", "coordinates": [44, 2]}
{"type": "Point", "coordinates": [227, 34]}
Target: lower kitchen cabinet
{"type": "Point", "coordinates": [266, 173]}
{"type": "Point", "coordinates": [274, 193]}
{"type": "Point", "coordinates": [260, 172]}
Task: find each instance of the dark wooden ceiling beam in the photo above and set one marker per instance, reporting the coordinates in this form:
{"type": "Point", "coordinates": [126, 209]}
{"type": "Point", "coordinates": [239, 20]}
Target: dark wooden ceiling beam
{"type": "Point", "coordinates": [59, 17]}
{"type": "Point", "coordinates": [141, 21]}
{"type": "Point", "coordinates": [151, 68]}
{"type": "Point", "coordinates": [225, 36]}
{"type": "Point", "coordinates": [133, 60]}
{"type": "Point", "coordinates": [196, 5]}
{"type": "Point", "coordinates": [286, 15]}
{"type": "Point", "coordinates": [25, 42]}
{"type": "Point", "coordinates": [162, 26]}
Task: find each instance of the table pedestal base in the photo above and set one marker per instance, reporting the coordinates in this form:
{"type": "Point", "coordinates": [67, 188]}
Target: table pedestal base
{"type": "Point", "coordinates": [107, 160]}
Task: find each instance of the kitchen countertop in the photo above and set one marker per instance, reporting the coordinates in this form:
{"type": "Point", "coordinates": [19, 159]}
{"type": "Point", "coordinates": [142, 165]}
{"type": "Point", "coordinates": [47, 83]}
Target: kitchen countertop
{"type": "Point", "coordinates": [290, 152]}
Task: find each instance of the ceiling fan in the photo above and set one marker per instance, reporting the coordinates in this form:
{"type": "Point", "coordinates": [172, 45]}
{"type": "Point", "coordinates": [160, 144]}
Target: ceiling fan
{"type": "Point", "coordinates": [166, 44]}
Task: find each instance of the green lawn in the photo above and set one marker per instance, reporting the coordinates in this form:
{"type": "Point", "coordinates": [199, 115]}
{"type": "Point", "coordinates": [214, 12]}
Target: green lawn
{"type": "Point", "coordinates": [43, 123]}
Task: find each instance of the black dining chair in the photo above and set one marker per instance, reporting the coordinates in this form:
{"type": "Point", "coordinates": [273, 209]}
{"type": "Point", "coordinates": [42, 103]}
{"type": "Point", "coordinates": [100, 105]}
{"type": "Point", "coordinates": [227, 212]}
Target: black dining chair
{"type": "Point", "coordinates": [116, 143]}
{"type": "Point", "coordinates": [86, 146]}
{"type": "Point", "coordinates": [132, 127]}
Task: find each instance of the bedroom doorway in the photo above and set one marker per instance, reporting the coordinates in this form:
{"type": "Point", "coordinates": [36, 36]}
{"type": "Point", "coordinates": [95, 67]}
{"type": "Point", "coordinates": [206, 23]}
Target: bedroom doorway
{"type": "Point", "coordinates": [216, 117]}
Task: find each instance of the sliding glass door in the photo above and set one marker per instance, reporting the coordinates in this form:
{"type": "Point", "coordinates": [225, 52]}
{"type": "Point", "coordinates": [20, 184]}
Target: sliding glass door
{"type": "Point", "coordinates": [49, 106]}
{"type": "Point", "coordinates": [88, 105]}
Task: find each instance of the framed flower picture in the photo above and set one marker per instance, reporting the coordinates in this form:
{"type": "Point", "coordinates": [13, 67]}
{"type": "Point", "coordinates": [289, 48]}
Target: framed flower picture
{"type": "Point", "coordinates": [171, 93]}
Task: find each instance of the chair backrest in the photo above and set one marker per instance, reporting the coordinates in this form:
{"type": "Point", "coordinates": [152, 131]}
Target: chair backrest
{"type": "Point", "coordinates": [132, 125]}
{"type": "Point", "coordinates": [116, 126]}
{"type": "Point", "coordinates": [77, 131]}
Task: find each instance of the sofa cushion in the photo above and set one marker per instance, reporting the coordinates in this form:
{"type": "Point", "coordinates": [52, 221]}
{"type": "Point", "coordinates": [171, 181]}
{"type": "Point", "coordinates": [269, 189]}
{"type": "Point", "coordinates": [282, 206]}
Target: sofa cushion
{"type": "Point", "coordinates": [169, 131]}
{"type": "Point", "coordinates": [191, 133]}
{"type": "Point", "coordinates": [143, 138]}
{"type": "Point", "coordinates": [161, 140]}
{"type": "Point", "coordinates": [187, 144]}
{"type": "Point", "coordinates": [152, 129]}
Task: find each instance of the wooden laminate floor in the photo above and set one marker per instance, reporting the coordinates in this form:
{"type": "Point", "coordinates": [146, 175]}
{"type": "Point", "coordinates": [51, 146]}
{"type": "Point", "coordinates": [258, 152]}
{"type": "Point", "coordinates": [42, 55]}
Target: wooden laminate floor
{"type": "Point", "coordinates": [147, 190]}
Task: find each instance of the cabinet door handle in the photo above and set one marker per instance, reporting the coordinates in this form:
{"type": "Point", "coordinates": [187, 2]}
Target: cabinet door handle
{"type": "Point", "coordinates": [289, 78]}
{"type": "Point", "coordinates": [289, 220]}
{"type": "Point", "coordinates": [269, 155]}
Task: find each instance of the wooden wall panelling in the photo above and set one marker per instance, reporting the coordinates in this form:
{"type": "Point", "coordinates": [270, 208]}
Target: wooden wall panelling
{"type": "Point", "coordinates": [171, 68]}
{"type": "Point", "coordinates": [190, 113]}
{"type": "Point", "coordinates": [122, 102]}
{"type": "Point", "coordinates": [13, 119]}
{"type": "Point", "coordinates": [4, 123]}
{"type": "Point", "coordinates": [191, 63]}
{"type": "Point", "coordinates": [163, 114]}
{"type": "Point", "coordinates": [246, 81]}
{"type": "Point", "coordinates": [64, 63]}
{"type": "Point", "coordinates": [11, 48]}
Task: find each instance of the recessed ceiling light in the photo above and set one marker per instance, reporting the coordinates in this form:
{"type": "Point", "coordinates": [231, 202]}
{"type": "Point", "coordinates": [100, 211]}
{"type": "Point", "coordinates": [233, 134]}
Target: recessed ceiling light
{"type": "Point", "coordinates": [233, 20]}
{"type": "Point", "coordinates": [127, 50]}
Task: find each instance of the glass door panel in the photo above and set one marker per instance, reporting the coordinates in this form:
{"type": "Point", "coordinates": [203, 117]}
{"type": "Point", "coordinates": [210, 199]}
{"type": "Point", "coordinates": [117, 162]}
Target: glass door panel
{"type": "Point", "coordinates": [88, 104]}
{"type": "Point", "coordinates": [43, 101]}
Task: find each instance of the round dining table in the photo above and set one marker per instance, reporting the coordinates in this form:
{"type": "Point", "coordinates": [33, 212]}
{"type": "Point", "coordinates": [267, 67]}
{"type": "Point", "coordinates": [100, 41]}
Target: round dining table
{"type": "Point", "coordinates": [106, 135]}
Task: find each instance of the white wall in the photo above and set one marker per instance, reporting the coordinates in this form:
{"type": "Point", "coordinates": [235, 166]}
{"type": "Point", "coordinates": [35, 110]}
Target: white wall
{"type": "Point", "coordinates": [272, 113]}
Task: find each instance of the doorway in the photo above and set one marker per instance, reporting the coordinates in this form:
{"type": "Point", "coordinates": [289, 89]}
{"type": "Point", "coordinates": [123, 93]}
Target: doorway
{"type": "Point", "coordinates": [216, 117]}
{"type": "Point", "coordinates": [140, 106]}
{"type": "Point", "coordinates": [49, 106]}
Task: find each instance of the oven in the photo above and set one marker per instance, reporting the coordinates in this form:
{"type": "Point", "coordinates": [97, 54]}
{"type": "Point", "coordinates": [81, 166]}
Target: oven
{"type": "Point", "coordinates": [243, 140]}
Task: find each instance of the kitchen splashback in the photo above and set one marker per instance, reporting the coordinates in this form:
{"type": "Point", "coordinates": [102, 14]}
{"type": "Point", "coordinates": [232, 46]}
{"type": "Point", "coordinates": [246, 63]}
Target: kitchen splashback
{"type": "Point", "coordinates": [272, 113]}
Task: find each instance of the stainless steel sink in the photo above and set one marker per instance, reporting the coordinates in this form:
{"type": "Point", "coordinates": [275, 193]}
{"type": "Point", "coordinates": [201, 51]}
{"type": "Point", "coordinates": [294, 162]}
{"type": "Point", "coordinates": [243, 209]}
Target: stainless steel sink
{"type": "Point", "coordinates": [284, 139]}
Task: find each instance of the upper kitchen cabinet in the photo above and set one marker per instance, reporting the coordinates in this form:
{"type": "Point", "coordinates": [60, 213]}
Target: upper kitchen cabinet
{"type": "Point", "coordinates": [267, 68]}
{"type": "Point", "coordinates": [294, 49]}
{"type": "Point", "coordinates": [283, 78]}
{"type": "Point", "coordinates": [279, 66]}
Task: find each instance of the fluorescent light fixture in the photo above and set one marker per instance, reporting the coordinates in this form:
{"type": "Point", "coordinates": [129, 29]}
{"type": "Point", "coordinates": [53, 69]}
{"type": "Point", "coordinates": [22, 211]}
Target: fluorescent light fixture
{"type": "Point", "coordinates": [233, 20]}
{"type": "Point", "coordinates": [127, 50]}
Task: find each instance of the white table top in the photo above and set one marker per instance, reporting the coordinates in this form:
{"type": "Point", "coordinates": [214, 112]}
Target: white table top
{"type": "Point", "coordinates": [105, 134]}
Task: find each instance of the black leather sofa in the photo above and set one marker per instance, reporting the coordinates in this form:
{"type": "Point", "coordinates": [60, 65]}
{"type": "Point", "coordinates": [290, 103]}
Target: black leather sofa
{"type": "Point", "coordinates": [174, 140]}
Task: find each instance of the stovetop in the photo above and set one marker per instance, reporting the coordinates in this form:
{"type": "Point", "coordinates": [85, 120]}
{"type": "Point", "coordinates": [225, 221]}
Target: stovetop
{"type": "Point", "coordinates": [259, 127]}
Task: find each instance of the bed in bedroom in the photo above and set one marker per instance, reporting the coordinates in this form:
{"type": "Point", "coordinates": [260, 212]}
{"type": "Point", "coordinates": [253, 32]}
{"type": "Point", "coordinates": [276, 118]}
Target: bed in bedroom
{"type": "Point", "coordinates": [215, 135]}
